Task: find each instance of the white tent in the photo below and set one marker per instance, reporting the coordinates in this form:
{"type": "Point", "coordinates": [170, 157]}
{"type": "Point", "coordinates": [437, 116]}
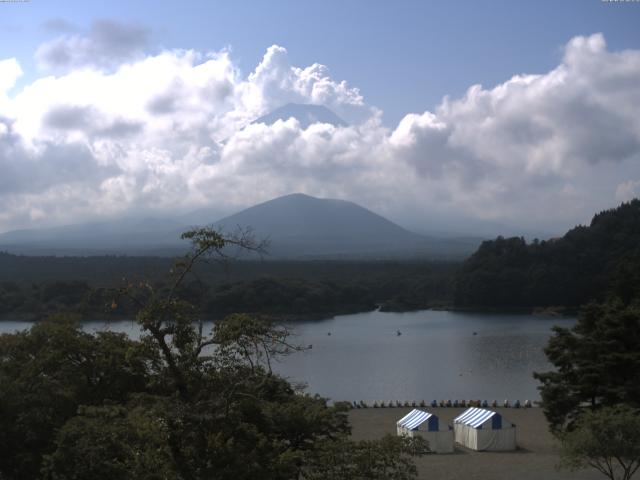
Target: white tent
{"type": "Point", "coordinates": [427, 425]}
{"type": "Point", "coordinates": [481, 430]}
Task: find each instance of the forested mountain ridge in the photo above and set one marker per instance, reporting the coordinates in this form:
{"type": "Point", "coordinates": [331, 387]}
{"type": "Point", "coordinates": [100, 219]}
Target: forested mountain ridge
{"type": "Point", "coordinates": [585, 264]}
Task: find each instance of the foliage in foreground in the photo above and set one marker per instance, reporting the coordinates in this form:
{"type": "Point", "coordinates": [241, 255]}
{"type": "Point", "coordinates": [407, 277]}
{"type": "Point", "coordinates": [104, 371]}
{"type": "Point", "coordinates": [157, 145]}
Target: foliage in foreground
{"type": "Point", "coordinates": [177, 404]}
{"type": "Point", "coordinates": [592, 399]}
{"type": "Point", "coordinates": [607, 440]}
{"type": "Point", "coordinates": [597, 363]}
{"type": "Point", "coordinates": [46, 373]}
{"type": "Point", "coordinates": [391, 457]}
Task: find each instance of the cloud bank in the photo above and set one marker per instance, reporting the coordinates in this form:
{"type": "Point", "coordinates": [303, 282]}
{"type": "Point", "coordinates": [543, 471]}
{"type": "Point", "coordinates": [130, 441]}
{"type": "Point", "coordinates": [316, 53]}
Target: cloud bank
{"type": "Point", "coordinates": [110, 130]}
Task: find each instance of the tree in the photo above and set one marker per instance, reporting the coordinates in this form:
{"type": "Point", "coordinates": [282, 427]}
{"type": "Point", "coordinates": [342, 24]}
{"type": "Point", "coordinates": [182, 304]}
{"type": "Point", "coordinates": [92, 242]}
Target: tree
{"type": "Point", "coordinates": [607, 439]}
{"type": "Point", "coordinates": [109, 442]}
{"type": "Point", "coordinates": [597, 363]}
{"type": "Point", "coordinates": [47, 372]}
{"type": "Point", "coordinates": [390, 458]}
{"type": "Point", "coordinates": [179, 403]}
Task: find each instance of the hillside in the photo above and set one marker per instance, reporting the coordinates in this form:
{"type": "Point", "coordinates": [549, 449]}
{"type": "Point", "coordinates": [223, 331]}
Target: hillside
{"type": "Point", "coordinates": [585, 264]}
{"type": "Point", "coordinates": [134, 236]}
{"type": "Point", "coordinates": [301, 226]}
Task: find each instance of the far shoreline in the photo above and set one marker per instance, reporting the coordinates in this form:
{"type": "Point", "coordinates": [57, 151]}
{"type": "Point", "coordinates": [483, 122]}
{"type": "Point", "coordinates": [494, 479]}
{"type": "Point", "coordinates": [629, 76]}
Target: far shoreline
{"type": "Point", "coordinates": [557, 312]}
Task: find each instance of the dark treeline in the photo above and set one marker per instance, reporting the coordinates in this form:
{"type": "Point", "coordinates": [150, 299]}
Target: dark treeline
{"type": "Point", "coordinates": [34, 287]}
{"type": "Point", "coordinates": [587, 263]}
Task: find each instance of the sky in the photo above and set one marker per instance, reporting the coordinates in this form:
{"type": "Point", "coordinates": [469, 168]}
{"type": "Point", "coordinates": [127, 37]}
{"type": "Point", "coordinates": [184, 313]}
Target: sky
{"type": "Point", "coordinates": [502, 112]}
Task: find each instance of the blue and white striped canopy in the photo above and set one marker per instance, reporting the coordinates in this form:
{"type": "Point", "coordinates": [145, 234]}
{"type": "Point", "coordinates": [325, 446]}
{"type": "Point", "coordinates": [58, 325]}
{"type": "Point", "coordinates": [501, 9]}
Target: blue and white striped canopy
{"type": "Point", "coordinates": [414, 419]}
{"type": "Point", "coordinates": [474, 417]}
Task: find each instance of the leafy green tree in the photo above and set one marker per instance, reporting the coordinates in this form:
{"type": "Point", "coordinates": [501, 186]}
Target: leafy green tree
{"type": "Point", "coordinates": [47, 372]}
{"type": "Point", "coordinates": [607, 439]}
{"type": "Point", "coordinates": [109, 442]}
{"type": "Point", "coordinates": [390, 458]}
{"type": "Point", "coordinates": [597, 363]}
{"type": "Point", "coordinates": [625, 282]}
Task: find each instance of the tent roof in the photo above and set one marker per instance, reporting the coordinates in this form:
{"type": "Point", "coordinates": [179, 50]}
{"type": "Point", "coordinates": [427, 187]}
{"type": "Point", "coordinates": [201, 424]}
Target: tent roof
{"type": "Point", "coordinates": [474, 417]}
{"type": "Point", "coordinates": [414, 419]}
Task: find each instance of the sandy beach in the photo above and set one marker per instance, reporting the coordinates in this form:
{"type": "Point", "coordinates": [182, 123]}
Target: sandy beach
{"type": "Point", "coordinates": [535, 459]}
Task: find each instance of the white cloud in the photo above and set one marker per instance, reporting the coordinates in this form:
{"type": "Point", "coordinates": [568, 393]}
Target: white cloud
{"type": "Point", "coordinates": [10, 71]}
{"type": "Point", "coordinates": [276, 82]}
{"type": "Point", "coordinates": [169, 131]}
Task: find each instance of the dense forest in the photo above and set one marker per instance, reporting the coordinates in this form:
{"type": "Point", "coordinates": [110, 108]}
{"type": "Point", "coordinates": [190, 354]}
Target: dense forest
{"type": "Point", "coordinates": [33, 287]}
{"type": "Point", "coordinates": [585, 264]}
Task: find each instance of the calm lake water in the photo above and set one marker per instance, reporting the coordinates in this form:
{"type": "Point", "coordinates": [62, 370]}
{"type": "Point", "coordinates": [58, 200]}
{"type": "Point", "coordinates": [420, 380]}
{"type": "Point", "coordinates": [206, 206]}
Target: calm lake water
{"type": "Point", "coordinates": [437, 355]}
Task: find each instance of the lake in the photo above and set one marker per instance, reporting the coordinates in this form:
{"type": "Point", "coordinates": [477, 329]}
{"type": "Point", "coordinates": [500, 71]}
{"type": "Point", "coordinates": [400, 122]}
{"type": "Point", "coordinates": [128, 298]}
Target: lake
{"type": "Point", "coordinates": [437, 355]}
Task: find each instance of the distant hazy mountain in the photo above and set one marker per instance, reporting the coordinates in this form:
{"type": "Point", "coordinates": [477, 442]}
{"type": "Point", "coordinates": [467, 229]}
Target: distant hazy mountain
{"type": "Point", "coordinates": [134, 236]}
{"type": "Point", "coordinates": [299, 225]}
{"type": "Point", "coordinates": [304, 113]}
{"type": "Point", "coordinates": [203, 216]}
